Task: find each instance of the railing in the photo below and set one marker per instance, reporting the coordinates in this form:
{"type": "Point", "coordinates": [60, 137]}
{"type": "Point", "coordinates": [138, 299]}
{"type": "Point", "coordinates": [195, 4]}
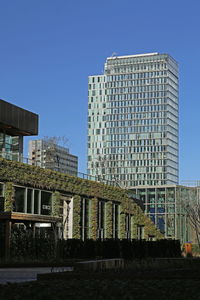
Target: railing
{"type": "Point", "coordinates": [192, 183]}
{"type": "Point", "coordinates": [26, 160]}
{"type": "Point", "coordinates": [96, 178]}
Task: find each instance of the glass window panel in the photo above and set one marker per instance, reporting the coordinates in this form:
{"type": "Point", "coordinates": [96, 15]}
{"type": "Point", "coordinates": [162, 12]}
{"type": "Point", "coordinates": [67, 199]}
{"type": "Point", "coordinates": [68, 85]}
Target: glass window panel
{"type": "Point", "coordinates": [150, 208]}
{"type": "Point", "coordinates": [36, 201]}
{"type": "Point", "coordinates": [161, 222]}
{"type": "Point", "coordinates": [29, 201]}
{"type": "Point", "coordinates": [151, 196]}
{"type": "Point", "coordinates": [170, 225]}
{"type": "Point", "coordinates": [19, 199]}
{"type": "Point", "coordinates": [170, 208]}
{"type": "Point", "coordinates": [45, 203]}
{"type": "Point", "coordinates": [161, 197]}
{"type": "Point", "coordinates": [142, 194]}
{"type": "Point", "coordinates": [161, 208]}
{"type": "Point", "coordinates": [170, 195]}
{"type": "Point", "coordinates": [152, 217]}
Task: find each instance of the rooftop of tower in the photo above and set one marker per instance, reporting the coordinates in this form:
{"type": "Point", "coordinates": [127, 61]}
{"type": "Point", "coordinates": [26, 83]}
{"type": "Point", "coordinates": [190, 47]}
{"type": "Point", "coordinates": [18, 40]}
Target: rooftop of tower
{"type": "Point", "coordinates": [135, 55]}
{"type": "Point", "coordinates": [139, 57]}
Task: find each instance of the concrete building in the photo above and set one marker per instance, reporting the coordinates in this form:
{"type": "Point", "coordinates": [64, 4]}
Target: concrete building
{"type": "Point", "coordinates": [49, 155]}
{"type": "Point", "coordinates": [133, 120]}
{"type": "Point", "coordinates": [15, 123]}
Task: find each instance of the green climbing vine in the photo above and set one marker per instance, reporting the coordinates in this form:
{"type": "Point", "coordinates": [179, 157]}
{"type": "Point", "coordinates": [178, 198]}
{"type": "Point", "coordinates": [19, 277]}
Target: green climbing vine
{"type": "Point", "coordinates": [23, 174]}
{"type": "Point", "coordinates": [77, 217]}
{"type": "Point", "coordinates": [151, 230]}
{"type": "Point", "coordinates": [133, 228]}
{"type": "Point", "coordinates": [9, 197]}
{"type": "Point", "coordinates": [56, 204]}
{"type": "Point", "coordinates": [109, 220]}
{"type": "Point", "coordinates": [94, 218]}
{"type": "Point", "coordinates": [122, 225]}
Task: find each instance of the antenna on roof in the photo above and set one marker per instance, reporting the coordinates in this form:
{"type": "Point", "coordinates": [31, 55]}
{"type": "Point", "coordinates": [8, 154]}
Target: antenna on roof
{"type": "Point", "coordinates": [114, 54]}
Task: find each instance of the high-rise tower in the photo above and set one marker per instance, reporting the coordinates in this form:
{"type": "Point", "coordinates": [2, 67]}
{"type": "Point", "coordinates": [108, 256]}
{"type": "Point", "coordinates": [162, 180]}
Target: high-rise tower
{"type": "Point", "coordinates": [133, 120]}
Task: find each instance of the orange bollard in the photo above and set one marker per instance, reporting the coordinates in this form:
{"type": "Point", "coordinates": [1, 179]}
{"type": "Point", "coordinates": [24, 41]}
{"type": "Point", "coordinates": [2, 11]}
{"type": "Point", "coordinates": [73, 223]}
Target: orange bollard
{"type": "Point", "coordinates": [188, 249]}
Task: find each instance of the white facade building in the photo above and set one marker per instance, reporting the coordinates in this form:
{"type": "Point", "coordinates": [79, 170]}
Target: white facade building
{"type": "Point", "coordinates": [133, 120]}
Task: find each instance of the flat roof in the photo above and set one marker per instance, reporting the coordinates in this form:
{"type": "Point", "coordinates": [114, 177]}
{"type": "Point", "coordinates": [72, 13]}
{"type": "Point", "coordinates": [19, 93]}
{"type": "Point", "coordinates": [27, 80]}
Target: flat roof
{"type": "Point", "coordinates": [15, 120]}
{"type": "Point", "coordinates": [135, 55]}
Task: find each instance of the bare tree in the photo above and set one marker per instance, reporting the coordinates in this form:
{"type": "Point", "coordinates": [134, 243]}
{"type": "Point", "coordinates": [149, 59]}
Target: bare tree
{"type": "Point", "coordinates": [102, 161]}
{"type": "Point", "coordinates": [56, 140]}
{"type": "Point", "coordinates": [52, 155]}
{"type": "Point", "coordinates": [193, 213]}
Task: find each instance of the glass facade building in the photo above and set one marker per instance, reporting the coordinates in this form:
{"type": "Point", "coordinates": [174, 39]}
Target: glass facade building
{"type": "Point", "coordinates": [133, 120]}
{"type": "Point", "coordinates": [165, 206]}
{"type": "Point", "coordinates": [11, 147]}
{"type": "Point", "coordinates": [15, 123]}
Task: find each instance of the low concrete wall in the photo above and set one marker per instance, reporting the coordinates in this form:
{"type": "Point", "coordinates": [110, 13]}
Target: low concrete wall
{"type": "Point", "coordinates": [100, 265]}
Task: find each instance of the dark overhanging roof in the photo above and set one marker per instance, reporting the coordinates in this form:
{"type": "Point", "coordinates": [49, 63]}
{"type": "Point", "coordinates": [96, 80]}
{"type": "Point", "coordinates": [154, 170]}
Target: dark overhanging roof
{"type": "Point", "coordinates": [15, 120]}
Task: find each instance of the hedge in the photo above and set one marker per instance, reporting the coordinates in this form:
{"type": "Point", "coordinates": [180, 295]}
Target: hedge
{"type": "Point", "coordinates": [24, 247]}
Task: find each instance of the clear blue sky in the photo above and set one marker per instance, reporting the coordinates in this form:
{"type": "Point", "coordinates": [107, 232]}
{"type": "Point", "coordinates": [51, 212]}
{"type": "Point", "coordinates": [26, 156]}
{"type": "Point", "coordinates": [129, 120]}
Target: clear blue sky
{"type": "Point", "coordinates": [48, 48]}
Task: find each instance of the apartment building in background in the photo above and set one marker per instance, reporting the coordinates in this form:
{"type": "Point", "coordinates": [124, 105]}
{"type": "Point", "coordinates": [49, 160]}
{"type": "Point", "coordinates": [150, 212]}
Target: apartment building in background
{"type": "Point", "coordinates": [133, 116]}
{"type": "Point", "coordinates": [49, 155]}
